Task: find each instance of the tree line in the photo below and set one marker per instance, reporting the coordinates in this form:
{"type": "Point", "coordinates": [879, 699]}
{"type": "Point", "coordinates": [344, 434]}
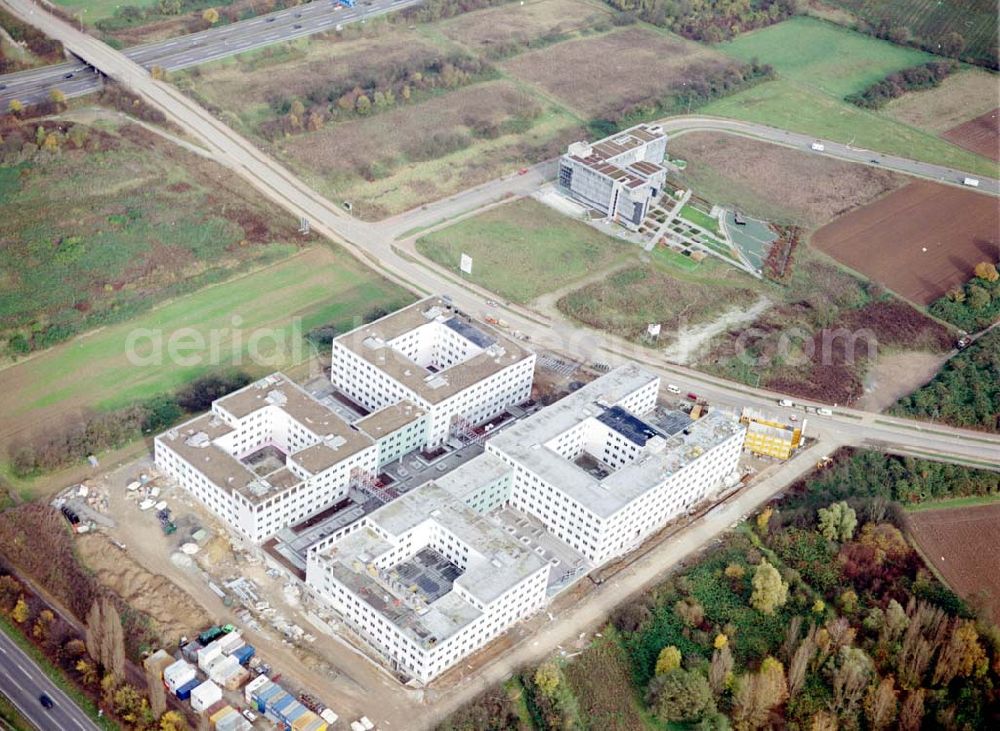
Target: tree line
{"type": "Point", "coordinates": [60, 446]}
{"type": "Point", "coordinates": [894, 85]}
{"type": "Point", "coordinates": [369, 90]}
{"type": "Point", "coordinates": [711, 21]}
{"type": "Point", "coordinates": [39, 44]}
{"type": "Point", "coordinates": [35, 544]}
{"type": "Point", "coordinates": [974, 305]}
{"type": "Point", "coordinates": [701, 83]}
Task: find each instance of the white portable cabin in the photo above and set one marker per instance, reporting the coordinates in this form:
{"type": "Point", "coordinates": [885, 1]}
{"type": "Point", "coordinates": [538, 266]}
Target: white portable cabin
{"type": "Point", "coordinates": [178, 674]}
{"type": "Point", "coordinates": [205, 695]}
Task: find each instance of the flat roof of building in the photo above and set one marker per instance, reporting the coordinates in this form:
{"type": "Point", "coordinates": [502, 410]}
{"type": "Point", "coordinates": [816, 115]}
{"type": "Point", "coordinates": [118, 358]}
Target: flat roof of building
{"type": "Point", "coordinates": [602, 156]}
{"type": "Point", "coordinates": [392, 418]}
{"type": "Point", "coordinates": [496, 562]}
{"type": "Point", "coordinates": [371, 342]}
{"type": "Point", "coordinates": [526, 441]}
{"type": "Point", "coordinates": [196, 440]}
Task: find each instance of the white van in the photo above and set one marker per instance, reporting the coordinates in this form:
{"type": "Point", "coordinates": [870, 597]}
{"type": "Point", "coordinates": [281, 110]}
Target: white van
{"type": "Point", "coordinates": [786, 402]}
{"type": "Point", "coordinates": [971, 182]}
{"type": "Point", "coordinates": [824, 412]}
{"type": "Point", "coordinates": [818, 146]}
{"type": "Point", "coordinates": [672, 388]}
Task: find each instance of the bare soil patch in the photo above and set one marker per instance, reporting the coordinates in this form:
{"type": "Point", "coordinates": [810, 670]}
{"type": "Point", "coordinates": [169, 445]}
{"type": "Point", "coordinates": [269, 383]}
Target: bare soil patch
{"type": "Point", "coordinates": [980, 135]}
{"type": "Point", "coordinates": [774, 182]}
{"type": "Point", "coordinates": [486, 30]}
{"type": "Point", "coordinates": [963, 543]}
{"type": "Point", "coordinates": [605, 73]}
{"type": "Point", "coordinates": [918, 241]}
{"type": "Point", "coordinates": [896, 375]}
{"type": "Point", "coordinates": [173, 609]}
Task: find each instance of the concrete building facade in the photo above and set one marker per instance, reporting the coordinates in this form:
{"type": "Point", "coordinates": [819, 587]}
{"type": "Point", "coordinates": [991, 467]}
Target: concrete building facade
{"type": "Point", "coordinates": [619, 176]}
{"type": "Point", "coordinates": [443, 363]}
{"type": "Point", "coordinates": [601, 477]}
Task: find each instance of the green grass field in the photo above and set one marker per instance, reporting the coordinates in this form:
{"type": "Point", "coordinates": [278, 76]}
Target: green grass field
{"type": "Point", "coordinates": [822, 55]}
{"type": "Point", "coordinates": [94, 10]}
{"type": "Point", "coordinates": [523, 249]}
{"type": "Point", "coordinates": [792, 106]}
{"type": "Point", "coordinates": [699, 218]}
{"type": "Point", "coordinates": [278, 304]}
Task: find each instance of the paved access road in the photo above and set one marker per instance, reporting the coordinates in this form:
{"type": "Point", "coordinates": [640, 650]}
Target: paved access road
{"type": "Point", "coordinates": [77, 78]}
{"type": "Point", "coordinates": [23, 682]}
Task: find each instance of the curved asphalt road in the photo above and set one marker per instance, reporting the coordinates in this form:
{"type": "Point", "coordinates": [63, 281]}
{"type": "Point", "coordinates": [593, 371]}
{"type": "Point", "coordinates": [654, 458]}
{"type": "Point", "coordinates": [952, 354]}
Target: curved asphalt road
{"type": "Point", "coordinates": [76, 78]}
{"type": "Point", "coordinates": [23, 682]}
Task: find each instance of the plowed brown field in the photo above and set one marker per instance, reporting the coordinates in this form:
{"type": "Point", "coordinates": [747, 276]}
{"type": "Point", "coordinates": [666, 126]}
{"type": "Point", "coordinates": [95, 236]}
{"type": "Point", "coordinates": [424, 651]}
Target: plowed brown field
{"type": "Point", "coordinates": [918, 241]}
{"type": "Point", "coordinates": [980, 135]}
{"type": "Point", "coordinates": [963, 544]}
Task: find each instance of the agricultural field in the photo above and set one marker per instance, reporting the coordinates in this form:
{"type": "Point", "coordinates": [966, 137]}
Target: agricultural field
{"type": "Point", "coordinates": [503, 240]}
{"type": "Point", "coordinates": [276, 306]}
{"type": "Point", "coordinates": [402, 158]}
{"type": "Point", "coordinates": [931, 22]}
{"type": "Point", "coordinates": [823, 56]}
{"type": "Point", "coordinates": [784, 104]}
{"type": "Point", "coordinates": [139, 219]}
{"type": "Point", "coordinates": [981, 135]}
{"type": "Point", "coordinates": [918, 241]}
{"type": "Point", "coordinates": [92, 11]}
{"type": "Point", "coordinates": [961, 97]}
{"type": "Point", "coordinates": [596, 76]}
{"type": "Point", "coordinates": [962, 545]}
{"type": "Point", "coordinates": [507, 29]}
{"type": "Point", "coordinates": [773, 182]}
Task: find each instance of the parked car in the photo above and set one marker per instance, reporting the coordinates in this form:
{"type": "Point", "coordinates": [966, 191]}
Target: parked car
{"type": "Point", "coordinates": [693, 396]}
{"type": "Point", "coordinates": [672, 388]}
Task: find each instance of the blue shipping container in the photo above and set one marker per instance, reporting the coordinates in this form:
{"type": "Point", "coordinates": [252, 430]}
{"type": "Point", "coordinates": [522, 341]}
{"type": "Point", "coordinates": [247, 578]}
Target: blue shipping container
{"type": "Point", "coordinates": [278, 705]}
{"type": "Point", "coordinates": [273, 692]}
{"type": "Point", "coordinates": [184, 692]}
{"type": "Point", "coordinates": [293, 712]}
{"type": "Point", "coordinates": [243, 654]}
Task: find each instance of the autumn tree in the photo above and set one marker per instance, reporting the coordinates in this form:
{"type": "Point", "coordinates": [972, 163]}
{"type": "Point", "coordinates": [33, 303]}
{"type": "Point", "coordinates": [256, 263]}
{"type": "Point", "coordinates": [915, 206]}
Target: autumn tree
{"type": "Point", "coordinates": [155, 691]}
{"type": "Point", "coordinates": [104, 638]}
{"type": "Point", "coordinates": [769, 590]}
{"type": "Point", "coordinates": [720, 671]}
{"type": "Point", "coordinates": [20, 611]}
{"type": "Point", "coordinates": [43, 624]}
{"type": "Point", "coordinates": [881, 704]}
{"type": "Point", "coordinates": [669, 659]}
{"type": "Point", "coordinates": [764, 519]}
{"type": "Point", "coordinates": [15, 106]}
{"type": "Point", "coordinates": [131, 706]}
{"type": "Point", "coordinates": [10, 590]}
{"type": "Point", "coordinates": [823, 721]}
{"type": "Point", "coordinates": [987, 270]}
{"type": "Point", "coordinates": [547, 678]}
{"type": "Point", "coordinates": [850, 679]}
{"type": "Point", "coordinates": [838, 522]}
{"type": "Point", "coordinates": [690, 611]}
{"type": "Point", "coordinates": [680, 696]}
{"type": "Point", "coordinates": [172, 721]}
{"type": "Point", "coordinates": [757, 694]}
{"type": "Point", "coordinates": [799, 663]}
{"type": "Point", "coordinates": [87, 670]}
{"type": "Point", "coordinates": [210, 16]}
{"type": "Point", "coordinates": [911, 713]}
{"type": "Point", "coordinates": [962, 656]}
{"type": "Point", "coordinates": [57, 97]}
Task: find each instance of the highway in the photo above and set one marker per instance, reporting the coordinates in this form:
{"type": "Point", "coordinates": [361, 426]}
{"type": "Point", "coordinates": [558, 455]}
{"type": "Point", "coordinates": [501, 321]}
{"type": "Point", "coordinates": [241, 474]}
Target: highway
{"type": "Point", "coordinates": [23, 682]}
{"type": "Point", "coordinates": [76, 78]}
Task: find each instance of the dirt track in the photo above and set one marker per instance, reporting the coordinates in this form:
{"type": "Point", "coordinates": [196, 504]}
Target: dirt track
{"type": "Point", "coordinates": [963, 543]}
{"type": "Point", "coordinates": [918, 241]}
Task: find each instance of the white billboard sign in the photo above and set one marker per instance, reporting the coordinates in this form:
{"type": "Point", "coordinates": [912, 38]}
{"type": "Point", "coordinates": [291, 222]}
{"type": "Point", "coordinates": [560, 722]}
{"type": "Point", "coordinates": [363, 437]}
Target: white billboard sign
{"type": "Point", "coordinates": [466, 264]}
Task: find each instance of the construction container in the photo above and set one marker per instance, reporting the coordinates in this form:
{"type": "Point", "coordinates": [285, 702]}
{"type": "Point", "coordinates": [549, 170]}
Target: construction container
{"type": "Point", "coordinates": [268, 695]}
{"type": "Point", "coordinates": [177, 674]}
{"type": "Point", "coordinates": [329, 716]}
{"type": "Point", "coordinates": [235, 722]}
{"type": "Point", "coordinates": [366, 724]}
{"type": "Point", "coordinates": [205, 695]}
{"type": "Point", "coordinates": [356, 726]}
{"type": "Point", "coordinates": [253, 686]}
{"type": "Point", "coordinates": [184, 691]}
{"type": "Point", "coordinates": [308, 721]}
{"type": "Point", "coordinates": [211, 634]}
{"type": "Point", "coordinates": [236, 679]}
{"type": "Point", "coordinates": [230, 642]}
{"type": "Point", "coordinates": [276, 700]}
{"type": "Point", "coordinates": [190, 651]}
{"type": "Point", "coordinates": [217, 716]}
{"type": "Point", "coordinates": [244, 653]}
{"type": "Point", "coordinates": [222, 668]}
{"type": "Point", "coordinates": [293, 712]}
{"type": "Point", "coordinates": [216, 708]}
{"type": "Point", "coordinates": [207, 655]}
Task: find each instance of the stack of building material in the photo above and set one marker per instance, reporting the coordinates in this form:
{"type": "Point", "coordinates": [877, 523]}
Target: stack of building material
{"type": "Point", "coordinates": [205, 695]}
